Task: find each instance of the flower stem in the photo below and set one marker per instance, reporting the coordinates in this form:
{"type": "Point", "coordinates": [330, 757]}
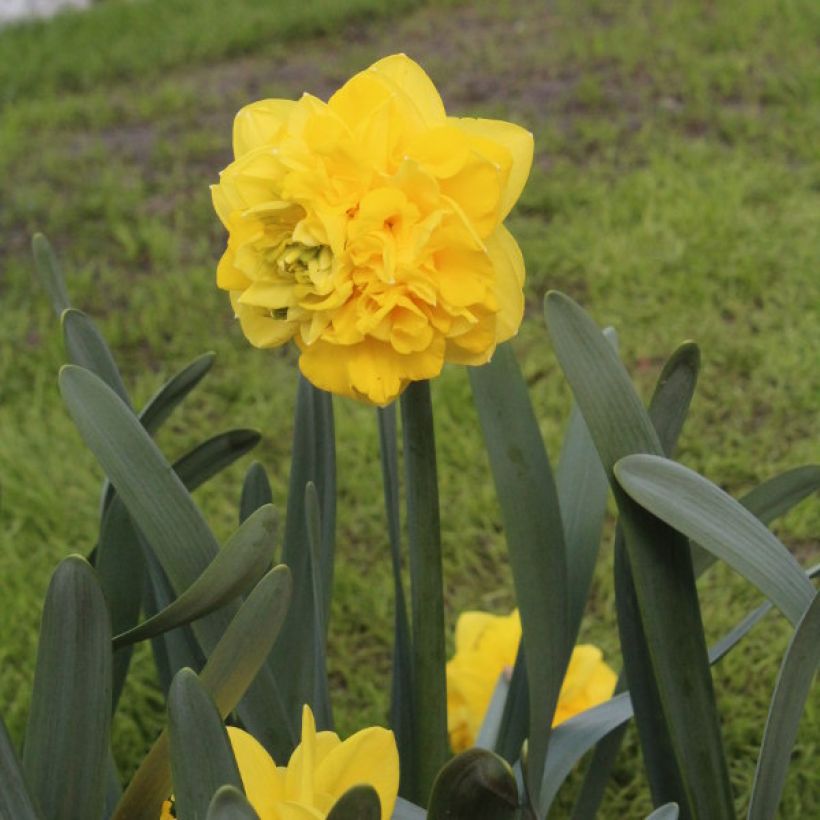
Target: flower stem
{"type": "Point", "coordinates": [427, 591]}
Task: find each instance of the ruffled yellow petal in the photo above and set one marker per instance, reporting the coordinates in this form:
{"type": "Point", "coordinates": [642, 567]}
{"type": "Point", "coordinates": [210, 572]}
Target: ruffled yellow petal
{"type": "Point", "coordinates": [260, 123]}
{"type": "Point", "coordinates": [518, 141]}
{"type": "Point", "coordinates": [369, 370]}
{"type": "Point", "coordinates": [508, 264]}
{"type": "Point", "coordinates": [370, 756]}
{"type": "Point", "coordinates": [412, 80]}
{"type": "Point", "coordinates": [259, 327]}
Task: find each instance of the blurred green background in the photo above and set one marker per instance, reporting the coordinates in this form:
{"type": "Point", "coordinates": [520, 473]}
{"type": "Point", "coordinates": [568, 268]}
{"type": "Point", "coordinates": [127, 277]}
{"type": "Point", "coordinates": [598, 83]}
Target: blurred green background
{"type": "Point", "coordinates": [675, 193]}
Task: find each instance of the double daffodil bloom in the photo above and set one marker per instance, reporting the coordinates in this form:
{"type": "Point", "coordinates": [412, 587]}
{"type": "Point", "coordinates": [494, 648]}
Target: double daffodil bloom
{"type": "Point", "coordinates": [321, 769]}
{"type": "Point", "coordinates": [369, 229]}
{"type": "Point", "coordinates": [486, 646]}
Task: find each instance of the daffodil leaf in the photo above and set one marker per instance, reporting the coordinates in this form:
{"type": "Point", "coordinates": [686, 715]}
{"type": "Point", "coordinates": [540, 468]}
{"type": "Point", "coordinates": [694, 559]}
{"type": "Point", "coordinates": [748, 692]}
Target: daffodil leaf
{"type": "Point", "coordinates": [535, 537]}
{"type": "Point", "coordinates": [516, 715]}
{"type": "Point", "coordinates": [15, 800]}
{"type": "Point", "coordinates": [160, 406]}
{"type": "Point", "coordinates": [51, 275]}
{"type": "Point", "coordinates": [69, 723]}
{"type": "Point", "coordinates": [476, 783]}
{"type": "Point", "coordinates": [668, 408]}
{"type": "Point", "coordinates": [791, 691]}
{"type": "Point", "coordinates": [256, 491]}
{"type": "Point", "coordinates": [230, 804]}
{"type": "Point", "coordinates": [166, 515]}
{"type": "Point", "coordinates": [201, 756]}
{"type": "Point", "coordinates": [313, 459]}
{"type": "Point", "coordinates": [86, 347]}
{"type": "Point", "coordinates": [320, 699]}
{"type": "Point", "coordinates": [426, 585]}
{"type": "Point", "coordinates": [490, 726]}
{"type": "Point", "coordinates": [582, 493]}
{"type": "Point", "coordinates": [660, 564]}
{"type": "Point", "coordinates": [702, 511]}
{"type": "Point", "coordinates": [771, 499]}
{"type": "Point", "coordinates": [235, 569]}
{"type": "Point", "coordinates": [405, 810]}
{"type": "Point", "coordinates": [574, 737]}
{"type": "Point", "coordinates": [668, 811]}
{"type": "Point", "coordinates": [120, 566]}
{"type": "Point", "coordinates": [229, 671]}
{"type": "Point", "coordinates": [401, 691]}
{"type": "Point", "coordinates": [359, 803]}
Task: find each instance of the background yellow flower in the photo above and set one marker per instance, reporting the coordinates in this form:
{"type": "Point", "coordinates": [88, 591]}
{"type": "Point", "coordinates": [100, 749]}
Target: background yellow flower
{"type": "Point", "coordinates": [369, 229]}
{"type": "Point", "coordinates": [486, 646]}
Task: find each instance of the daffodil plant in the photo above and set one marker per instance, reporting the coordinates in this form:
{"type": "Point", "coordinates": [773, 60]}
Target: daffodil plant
{"type": "Point", "coordinates": [369, 230]}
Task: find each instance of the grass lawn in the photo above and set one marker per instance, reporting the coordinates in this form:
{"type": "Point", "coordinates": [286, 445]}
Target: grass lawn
{"type": "Point", "coordinates": [675, 193]}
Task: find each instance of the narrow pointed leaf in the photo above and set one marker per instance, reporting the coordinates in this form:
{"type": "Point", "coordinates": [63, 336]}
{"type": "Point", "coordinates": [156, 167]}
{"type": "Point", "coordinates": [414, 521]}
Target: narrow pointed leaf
{"type": "Point", "coordinates": [426, 585]}
{"type": "Point", "coordinates": [574, 737]}
{"type": "Point", "coordinates": [668, 408]}
{"type": "Point", "coordinates": [256, 491]}
{"type": "Point", "coordinates": [313, 459]}
{"type": "Point", "coordinates": [230, 804]}
{"type": "Point", "coordinates": [582, 493]}
{"type": "Point", "coordinates": [160, 406]}
{"type": "Point", "coordinates": [15, 800]}
{"type": "Point", "coordinates": [514, 726]}
{"type": "Point", "coordinates": [87, 348]}
{"type": "Point", "coordinates": [703, 512]}
{"type": "Point", "coordinates": [50, 273]}
{"type": "Point", "coordinates": [65, 754]}
{"type": "Point", "coordinates": [661, 566]}
{"type": "Point", "coordinates": [791, 692]}
{"type": "Point", "coordinates": [401, 684]}
{"type": "Point", "coordinates": [358, 803]}
{"type": "Point", "coordinates": [771, 499]}
{"type": "Point", "coordinates": [669, 811]}
{"type": "Point", "coordinates": [405, 810]}
{"type": "Point", "coordinates": [202, 760]}
{"type": "Point", "coordinates": [490, 725]}
{"type": "Point", "coordinates": [535, 537]}
{"type": "Point", "coordinates": [476, 783]}
{"type": "Point", "coordinates": [166, 515]}
{"type": "Point", "coordinates": [228, 672]}
{"type": "Point", "coordinates": [235, 569]}
{"type": "Point", "coordinates": [320, 699]}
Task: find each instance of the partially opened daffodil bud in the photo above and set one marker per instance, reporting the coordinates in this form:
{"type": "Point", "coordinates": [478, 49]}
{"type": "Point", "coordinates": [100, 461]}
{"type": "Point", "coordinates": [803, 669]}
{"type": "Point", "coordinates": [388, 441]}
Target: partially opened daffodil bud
{"type": "Point", "coordinates": [369, 229]}
{"type": "Point", "coordinates": [486, 646]}
{"type": "Point", "coordinates": [321, 769]}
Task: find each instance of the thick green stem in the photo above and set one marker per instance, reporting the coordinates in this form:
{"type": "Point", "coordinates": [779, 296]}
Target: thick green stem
{"type": "Point", "coordinates": [427, 590]}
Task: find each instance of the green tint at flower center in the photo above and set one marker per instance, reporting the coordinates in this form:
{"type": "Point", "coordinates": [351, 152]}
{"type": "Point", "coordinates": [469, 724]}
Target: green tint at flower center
{"type": "Point", "coordinates": [302, 265]}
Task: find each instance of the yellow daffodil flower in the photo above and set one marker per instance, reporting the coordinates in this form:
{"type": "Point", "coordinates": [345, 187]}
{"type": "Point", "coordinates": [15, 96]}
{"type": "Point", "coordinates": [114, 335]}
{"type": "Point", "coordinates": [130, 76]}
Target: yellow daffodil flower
{"type": "Point", "coordinates": [321, 769]}
{"type": "Point", "coordinates": [486, 646]}
{"type": "Point", "coordinates": [369, 229]}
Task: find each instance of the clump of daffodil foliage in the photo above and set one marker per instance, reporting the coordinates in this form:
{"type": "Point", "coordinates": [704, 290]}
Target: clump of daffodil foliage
{"type": "Point", "coordinates": [369, 229]}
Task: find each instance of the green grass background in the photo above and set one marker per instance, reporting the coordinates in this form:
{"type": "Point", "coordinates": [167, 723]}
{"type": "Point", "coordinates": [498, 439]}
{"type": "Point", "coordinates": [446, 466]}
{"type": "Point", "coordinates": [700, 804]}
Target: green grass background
{"type": "Point", "coordinates": [675, 193]}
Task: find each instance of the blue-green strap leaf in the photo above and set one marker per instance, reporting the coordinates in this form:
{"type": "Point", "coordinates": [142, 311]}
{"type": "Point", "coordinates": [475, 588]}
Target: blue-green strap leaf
{"type": "Point", "coordinates": [663, 577]}
{"type": "Point", "coordinates": [227, 674]}
{"type": "Point", "coordinates": [202, 760]}
{"type": "Point", "coordinates": [703, 512]}
{"type": "Point", "coordinates": [791, 691]}
{"type": "Point", "coordinates": [160, 406]}
{"type": "Point", "coordinates": [86, 347]}
{"type": "Point", "coordinates": [256, 491]}
{"type": "Point", "coordinates": [51, 275]}
{"type": "Point", "coordinates": [535, 537]}
{"type": "Point", "coordinates": [69, 723]}
{"type": "Point", "coordinates": [230, 804]}
{"type": "Point", "coordinates": [358, 803]}
{"type": "Point", "coordinates": [426, 585]}
{"type": "Point", "coordinates": [15, 800]}
{"type": "Point", "coordinates": [235, 569]}
{"type": "Point", "coordinates": [401, 684]}
{"type": "Point", "coordinates": [668, 811]}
